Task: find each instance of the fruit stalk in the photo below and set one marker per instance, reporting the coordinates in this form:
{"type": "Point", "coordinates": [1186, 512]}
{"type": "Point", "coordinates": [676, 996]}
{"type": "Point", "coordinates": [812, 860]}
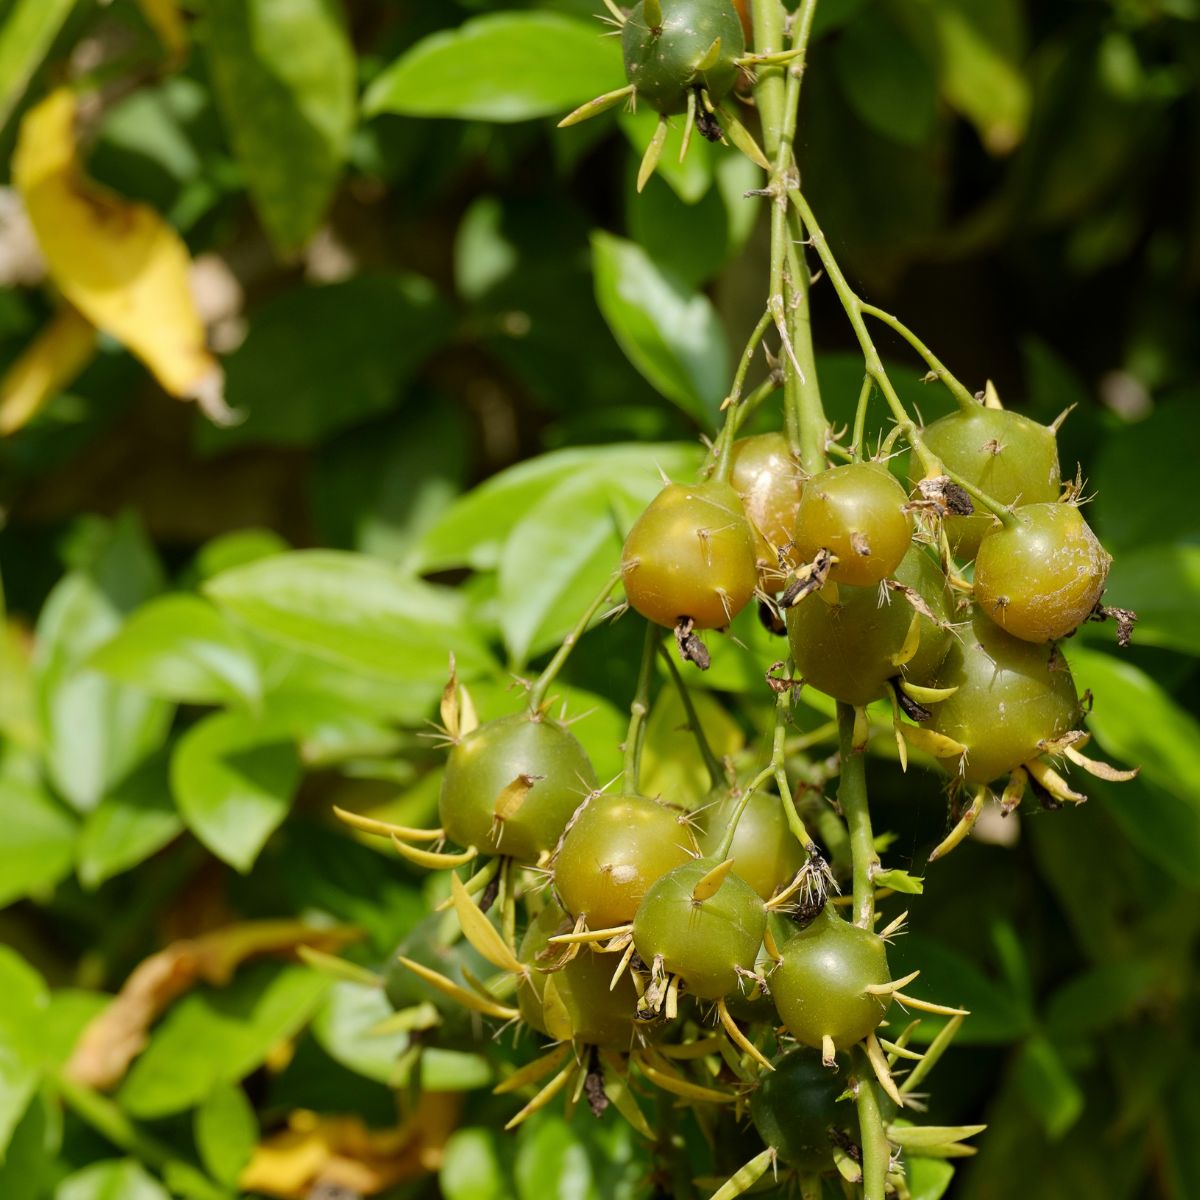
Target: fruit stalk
{"type": "Point", "coordinates": [876, 1153]}
{"type": "Point", "coordinates": [636, 733]}
{"type": "Point", "coordinates": [852, 796]}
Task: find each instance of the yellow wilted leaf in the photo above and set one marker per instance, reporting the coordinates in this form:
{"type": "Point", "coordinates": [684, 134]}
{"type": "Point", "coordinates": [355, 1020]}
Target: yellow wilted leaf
{"type": "Point", "coordinates": [317, 1153]}
{"type": "Point", "coordinates": [51, 361]}
{"type": "Point", "coordinates": [111, 1040]}
{"type": "Point", "coordinates": [119, 263]}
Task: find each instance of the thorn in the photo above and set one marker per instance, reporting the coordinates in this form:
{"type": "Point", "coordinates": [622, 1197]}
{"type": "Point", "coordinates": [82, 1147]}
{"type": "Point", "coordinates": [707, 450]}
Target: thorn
{"type": "Point", "coordinates": [710, 884]}
{"type": "Point", "coordinates": [653, 153]}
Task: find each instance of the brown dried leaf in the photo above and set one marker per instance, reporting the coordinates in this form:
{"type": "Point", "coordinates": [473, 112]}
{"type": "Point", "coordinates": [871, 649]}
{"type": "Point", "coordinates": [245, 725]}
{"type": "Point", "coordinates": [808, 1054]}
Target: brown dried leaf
{"type": "Point", "coordinates": [112, 1039]}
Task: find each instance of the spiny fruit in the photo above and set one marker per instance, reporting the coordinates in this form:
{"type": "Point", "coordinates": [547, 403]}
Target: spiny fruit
{"type": "Point", "coordinates": [705, 937]}
{"type": "Point", "coordinates": [764, 850]}
{"type": "Point", "coordinates": [856, 512]}
{"type": "Point", "coordinates": [512, 784]}
{"type": "Point", "coordinates": [796, 1108]}
{"type": "Point", "coordinates": [690, 555]}
{"type": "Point", "coordinates": [820, 986]}
{"type": "Point", "coordinates": [679, 45]}
{"type": "Point", "coordinates": [1041, 576]}
{"type": "Point", "coordinates": [1012, 695]}
{"type": "Point", "coordinates": [614, 850]}
{"type": "Point", "coordinates": [848, 642]}
{"type": "Point", "coordinates": [766, 475]}
{"type": "Point", "coordinates": [1008, 456]}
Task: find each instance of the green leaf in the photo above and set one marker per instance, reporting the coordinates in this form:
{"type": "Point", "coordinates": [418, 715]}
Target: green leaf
{"type": "Point", "coordinates": [354, 611]}
{"type": "Point", "coordinates": [928, 1178]}
{"type": "Point", "coordinates": [38, 841]}
{"type": "Point", "coordinates": [1098, 998]}
{"type": "Point", "coordinates": [1139, 723]}
{"type": "Point", "coordinates": [1048, 1087]}
{"type": "Point", "coordinates": [473, 1167]}
{"type": "Point", "coordinates": [343, 1027]}
{"type": "Point", "coordinates": [237, 549]}
{"type": "Point", "coordinates": [551, 1158]}
{"type": "Point", "coordinates": [28, 1167]}
{"type": "Point", "coordinates": [23, 1001]}
{"type": "Point", "coordinates": [318, 359]}
{"type": "Point", "coordinates": [115, 1179]}
{"type": "Point", "coordinates": [504, 67]}
{"type": "Point", "coordinates": [947, 977]}
{"type": "Point", "coordinates": [233, 779]}
{"type": "Point", "coordinates": [226, 1130]}
{"type": "Point", "coordinates": [219, 1035]}
{"type": "Point", "coordinates": [900, 881]}
{"type": "Point", "coordinates": [181, 648]}
{"type": "Point", "coordinates": [284, 76]}
{"type": "Point", "coordinates": [671, 334]}
{"type": "Point", "coordinates": [29, 29]}
{"type": "Point", "coordinates": [136, 819]}
{"type": "Point", "coordinates": [887, 81]}
{"type": "Point", "coordinates": [96, 730]}
{"type": "Point", "coordinates": [982, 46]}
{"type": "Point", "coordinates": [1162, 585]}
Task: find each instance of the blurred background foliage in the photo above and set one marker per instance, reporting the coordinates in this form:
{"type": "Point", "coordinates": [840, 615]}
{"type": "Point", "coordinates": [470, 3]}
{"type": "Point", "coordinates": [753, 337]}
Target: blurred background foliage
{"type": "Point", "coordinates": [462, 347]}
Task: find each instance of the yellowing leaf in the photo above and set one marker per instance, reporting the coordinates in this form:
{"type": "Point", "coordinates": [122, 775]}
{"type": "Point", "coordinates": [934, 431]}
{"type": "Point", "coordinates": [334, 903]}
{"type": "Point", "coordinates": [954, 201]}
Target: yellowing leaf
{"type": "Point", "coordinates": [119, 263]}
{"type": "Point", "coordinates": [111, 1041]}
{"type": "Point", "coordinates": [322, 1153]}
{"type": "Point", "coordinates": [51, 361]}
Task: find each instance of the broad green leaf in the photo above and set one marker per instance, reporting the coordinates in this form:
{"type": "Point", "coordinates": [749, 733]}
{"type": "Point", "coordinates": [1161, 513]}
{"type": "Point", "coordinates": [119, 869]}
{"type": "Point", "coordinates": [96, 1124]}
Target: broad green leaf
{"type": "Point", "coordinates": [558, 558]}
{"type": "Point", "coordinates": [947, 977]}
{"type": "Point", "coordinates": [28, 1167]}
{"type": "Point", "coordinates": [886, 79]}
{"type": "Point", "coordinates": [181, 648]}
{"type": "Point", "coordinates": [671, 334]}
{"type": "Point", "coordinates": [132, 822]}
{"type": "Point", "coordinates": [37, 843]}
{"type": "Point", "coordinates": [29, 28]}
{"type": "Point", "coordinates": [113, 1179]}
{"type": "Point", "coordinates": [473, 1167]}
{"type": "Point", "coordinates": [233, 779]}
{"type": "Point", "coordinates": [1098, 998]}
{"type": "Point", "coordinates": [343, 1026]}
{"type": "Point", "coordinates": [317, 359]}
{"type": "Point", "coordinates": [981, 50]}
{"type": "Point", "coordinates": [1139, 723]}
{"type": "Point", "coordinates": [284, 76]}
{"type": "Point", "coordinates": [475, 528]}
{"type": "Point", "coordinates": [235, 550]}
{"type": "Point", "coordinates": [550, 1157]}
{"type": "Point", "coordinates": [95, 730]}
{"type": "Point", "coordinates": [1162, 585]}
{"type": "Point", "coordinates": [354, 611]}
{"type": "Point", "coordinates": [219, 1035]}
{"type": "Point", "coordinates": [18, 704]}
{"type": "Point", "coordinates": [928, 1178]}
{"type": "Point", "coordinates": [23, 1002]}
{"type": "Point", "coordinates": [502, 67]}
{"type": "Point", "coordinates": [1048, 1086]}
{"type": "Point", "coordinates": [226, 1130]}
{"type": "Point", "coordinates": [671, 764]}
{"type": "Point", "coordinates": [69, 1010]}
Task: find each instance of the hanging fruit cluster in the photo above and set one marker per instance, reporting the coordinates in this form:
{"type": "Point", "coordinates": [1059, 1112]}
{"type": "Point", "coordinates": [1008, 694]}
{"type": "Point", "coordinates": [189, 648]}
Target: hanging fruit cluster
{"type": "Point", "coordinates": [707, 952]}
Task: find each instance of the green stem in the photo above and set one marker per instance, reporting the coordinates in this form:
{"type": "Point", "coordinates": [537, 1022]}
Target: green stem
{"type": "Point", "coordinates": [860, 415]}
{"type": "Point", "coordinates": [716, 772]}
{"type": "Point", "coordinates": [876, 1153]}
{"type": "Point", "coordinates": [537, 693]}
{"type": "Point", "coordinates": [852, 796]}
{"type": "Point", "coordinates": [107, 1119]}
{"type": "Point", "coordinates": [964, 399]}
{"type": "Point", "coordinates": [636, 732]}
{"type": "Point", "coordinates": [767, 17]}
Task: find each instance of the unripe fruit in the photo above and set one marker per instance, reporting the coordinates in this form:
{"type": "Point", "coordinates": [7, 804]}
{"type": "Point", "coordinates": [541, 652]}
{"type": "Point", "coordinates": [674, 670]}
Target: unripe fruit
{"type": "Point", "coordinates": [795, 1107]}
{"type": "Point", "coordinates": [1041, 577]}
{"type": "Point", "coordinates": [1011, 696]}
{"type": "Point", "coordinates": [489, 759]}
{"type": "Point", "coordinates": [850, 647]}
{"type": "Point", "coordinates": [581, 1006]}
{"type": "Point", "coordinates": [616, 848]}
{"type": "Point", "coordinates": [767, 477]}
{"type": "Point", "coordinates": [690, 554]}
{"type": "Point", "coordinates": [820, 986]}
{"type": "Point", "coordinates": [765, 852]}
{"type": "Point", "coordinates": [663, 61]}
{"type": "Point", "coordinates": [703, 941]}
{"type": "Point", "coordinates": [856, 512]}
{"type": "Point", "coordinates": [1008, 456]}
